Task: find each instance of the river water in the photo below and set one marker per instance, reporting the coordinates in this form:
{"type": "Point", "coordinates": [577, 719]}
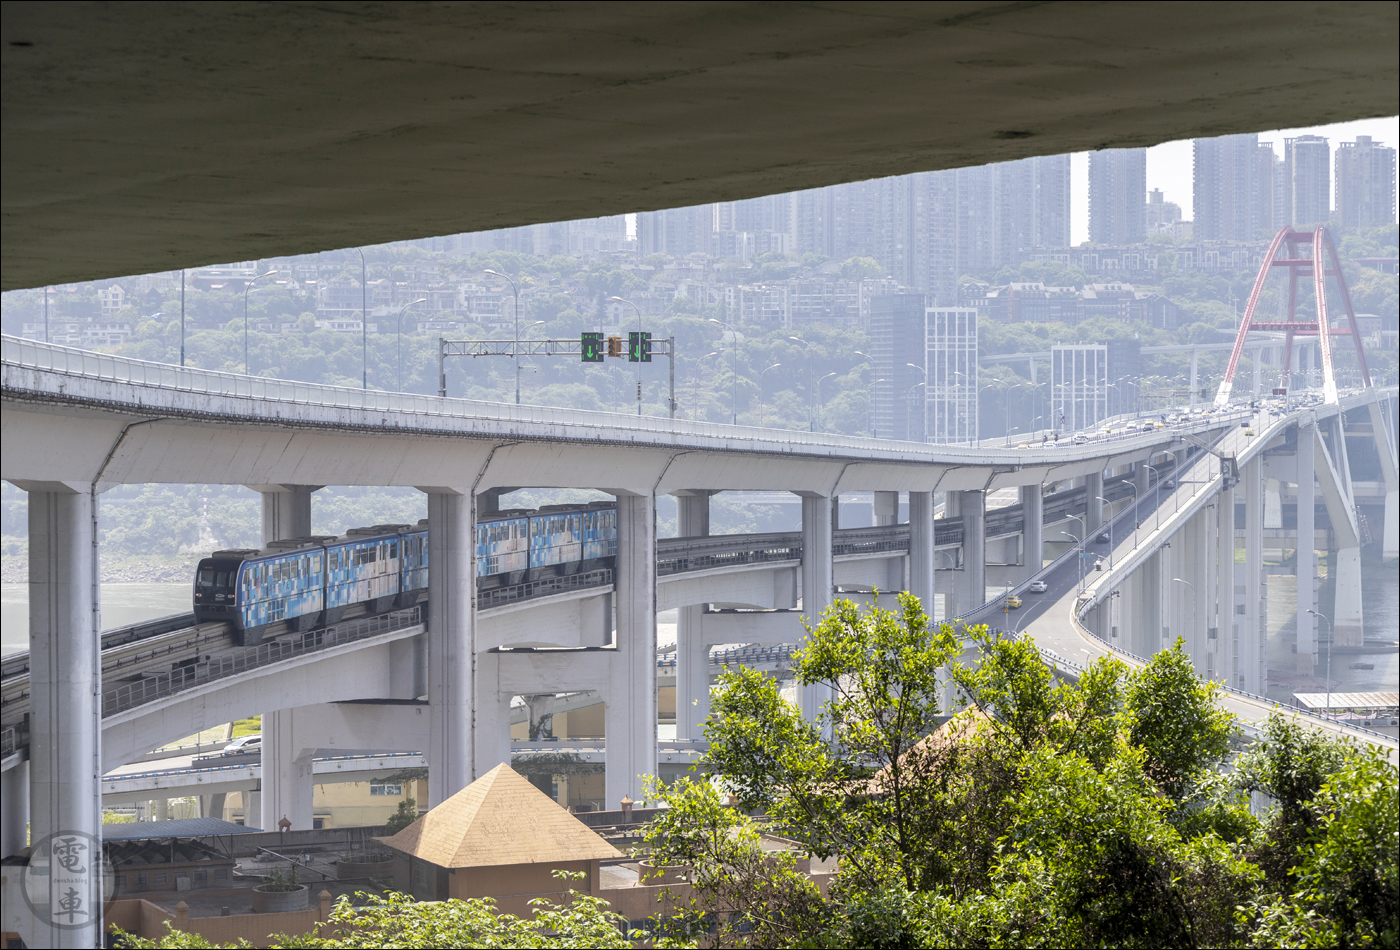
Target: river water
{"type": "Point", "coordinates": [122, 604]}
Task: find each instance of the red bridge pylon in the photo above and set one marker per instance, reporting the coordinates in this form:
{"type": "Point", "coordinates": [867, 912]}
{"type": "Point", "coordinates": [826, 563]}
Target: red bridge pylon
{"type": "Point", "coordinates": [1320, 265]}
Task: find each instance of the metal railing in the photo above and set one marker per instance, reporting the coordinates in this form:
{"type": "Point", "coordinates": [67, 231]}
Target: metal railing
{"type": "Point", "coordinates": [543, 587]}
{"type": "Point", "coordinates": [608, 426]}
{"type": "Point", "coordinates": [161, 685]}
{"type": "Point", "coordinates": [737, 656]}
{"type": "Point", "coordinates": [681, 555]}
{"type": "Point", "coordinates": [240, 766]}
{"type": "Point", "coordinates": [882, 539]}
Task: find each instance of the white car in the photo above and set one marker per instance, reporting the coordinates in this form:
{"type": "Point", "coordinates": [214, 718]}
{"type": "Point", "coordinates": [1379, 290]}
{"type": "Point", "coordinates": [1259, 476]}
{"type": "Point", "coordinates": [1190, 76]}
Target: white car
{"type": "Point", "coordinates": [244, 744]}
{"type": "Point", "coordinates": [1038, 587]}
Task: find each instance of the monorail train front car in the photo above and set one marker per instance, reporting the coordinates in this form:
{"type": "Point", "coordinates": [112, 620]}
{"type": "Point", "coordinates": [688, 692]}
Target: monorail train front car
{"type": "Point", "coordinates": [296, 585]}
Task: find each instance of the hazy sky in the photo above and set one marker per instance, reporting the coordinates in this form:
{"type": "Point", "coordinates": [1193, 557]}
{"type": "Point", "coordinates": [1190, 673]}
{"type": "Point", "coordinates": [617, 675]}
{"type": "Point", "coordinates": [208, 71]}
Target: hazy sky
{"type": "Point", "coordinates": [1169, 165]}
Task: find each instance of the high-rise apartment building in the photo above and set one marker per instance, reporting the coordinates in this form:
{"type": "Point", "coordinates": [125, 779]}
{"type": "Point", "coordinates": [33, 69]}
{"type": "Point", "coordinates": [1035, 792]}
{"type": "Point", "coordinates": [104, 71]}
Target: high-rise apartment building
{"type": "Point", "coordinates": [1233, 193]}
{"type": "Point", "coordinates": [676, 231]}
{"type": "Point", "coordinates": [1271, 203]}
{"type": "Point", "coordinates": [1307, 169]}
{"type": "Point", "coordinates": [950, 358]}
{"type": "Point", "coordinates": [1117, 193]}
{"type": "Point", "coordinates": [1365, 183]}
{"type": "Point", "coordinates": [925, 367]}
{"type": "Point", "coordinates": [1078, 386]}
{"type": "Point", "coordinates": [1161, 214]}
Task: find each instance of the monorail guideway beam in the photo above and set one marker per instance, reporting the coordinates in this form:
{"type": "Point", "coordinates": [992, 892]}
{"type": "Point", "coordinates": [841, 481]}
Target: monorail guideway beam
{"type": "Point", "coordinates": [1321, 264]}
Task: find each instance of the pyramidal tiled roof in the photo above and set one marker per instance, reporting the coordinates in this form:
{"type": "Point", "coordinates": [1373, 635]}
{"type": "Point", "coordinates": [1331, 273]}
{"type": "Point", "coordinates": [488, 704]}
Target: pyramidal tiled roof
{"type": "Point", "coordinates": [499, 819]}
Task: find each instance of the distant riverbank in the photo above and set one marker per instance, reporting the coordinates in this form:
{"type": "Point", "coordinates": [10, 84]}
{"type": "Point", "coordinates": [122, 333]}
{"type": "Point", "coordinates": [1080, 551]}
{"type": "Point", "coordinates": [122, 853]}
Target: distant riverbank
{"type": "Point", "coordinates": [145, 569]}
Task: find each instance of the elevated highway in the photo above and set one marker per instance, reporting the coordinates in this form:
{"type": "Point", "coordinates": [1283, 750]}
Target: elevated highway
{"type": "Point", "coordinates": [76, 423]}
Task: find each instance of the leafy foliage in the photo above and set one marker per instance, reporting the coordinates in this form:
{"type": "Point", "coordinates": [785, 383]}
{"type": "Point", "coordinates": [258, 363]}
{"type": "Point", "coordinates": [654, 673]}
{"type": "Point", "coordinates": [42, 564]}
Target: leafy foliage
{"type": "Point", "coordinates": [1037, 810]}
{"type": "Point", "coordinates": [397, 920]}
{"type": "Point", "coordinates": [405, 815]}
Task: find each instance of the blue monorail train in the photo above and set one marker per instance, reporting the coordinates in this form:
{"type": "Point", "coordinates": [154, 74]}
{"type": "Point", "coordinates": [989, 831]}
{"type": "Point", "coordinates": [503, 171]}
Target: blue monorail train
{"type": "Point", "coordinates": [304, 583]}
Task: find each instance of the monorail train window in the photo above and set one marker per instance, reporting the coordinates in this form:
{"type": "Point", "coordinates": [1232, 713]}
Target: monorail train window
{"type": "Point", "coordinates": [393, 550]}
{"type": "Point", "coordinates": [206, 578]}
{"type": "Point", "coordinates": [315, 563]}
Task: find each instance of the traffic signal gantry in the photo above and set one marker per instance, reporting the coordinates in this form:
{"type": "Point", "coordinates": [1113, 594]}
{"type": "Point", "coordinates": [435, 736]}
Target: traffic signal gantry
{"type": "Point", "coordinates": [590, 347]}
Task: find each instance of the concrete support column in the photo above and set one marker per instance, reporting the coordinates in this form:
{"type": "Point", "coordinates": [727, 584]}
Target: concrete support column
{"type": "Point", "coordinates": [1344, 563]}
{"type": "Point", "coordinates": [1273, 503]}
{"type": "Point", "coordinates": [1347, 629]}
{"type": "Point", "coordinates": [1032, 529]}
{"type": "Point", "coordinates": [1253, 660]}
{"type": "Point", "coordinates": [1307, 556]}
{"type": "Point", "coordinates": [921, 551]}
{"type": "Point", "coordinates": [14, 809]}
{"type": "Point", "coordinates": [1093, 507]}
{"type": "Point", "coordinates": [287, 782]}
{"type": "Point", "coordinates": [1142, 477]}
{"type": "Point", "coordinates": [1200, 560]}
{"type": "Point", "coordinates": [65, 681]}
{"type": "Point", "coordinates": [540, 707]}
{"type": "Point", "coordinates": [692, 654]}
{"type": "Point", "coordinates": [630, 710]}
{"type": "Point", "coordinates": [1222, 640]}
{"type": "Point", "coordinates": [451, 748]}
{"type": "Point", "coordinates": [973, 508]}
{"type": "Point", "coordinates": [286, 513]}
{"type": "Point", "coordinates": [214, 805]}
{"type": "Point", "coordinates": [886, 508]}
{"type": "Point", "coordinates": [1390, 473]}
{"type": "Point", "coordinates": [816, 582]}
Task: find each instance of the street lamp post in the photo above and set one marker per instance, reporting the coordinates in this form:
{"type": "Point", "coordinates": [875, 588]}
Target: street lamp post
{"type": "Point", "coordinates": [1157, 506]}
{"type": "Point", "coordinates": [639, 353]}
{"type": "Point", "coordinates": [807, 358]}
{"type": "Point", "coordinates": [537, 323]}
{"type": "Point", "coordinates": [364, 321]}
{"type": "Point", "coordinates": [695, 380]}
{"type": "Point", "coordinates": [1177, 580]}
{"type": "Point", "coordinates": [734, 403]}
{"type": "Point", "coordinates": [870, 394]}
{"type": "Point", "coordinates": [1083, 530]}
{"type": "Point", "coordinates": [908, 413]}
{"type": "Point", "coordinates": [182, 315]}
{"type": "Point", "coordinates": [515, 350]}
{"type": "Point", "coordinates": [398, 355]}
{"type": "Point", "coordinates": [1329, 658]}
{"type": "Point", "coordinates": [820, 404]}
{"type": "Point", "coordinates": [1105, 501]}
{"type": "Point", "coordinates": [908, 427]}
{"type": "Point", "coordinates": [870, 405]}
{"type": "Point", "coordinates": [247, 287]}
{"type": "Point", "coordinates": [760, 392]}
{"type": "Point", "coordinates": [1081, 555]}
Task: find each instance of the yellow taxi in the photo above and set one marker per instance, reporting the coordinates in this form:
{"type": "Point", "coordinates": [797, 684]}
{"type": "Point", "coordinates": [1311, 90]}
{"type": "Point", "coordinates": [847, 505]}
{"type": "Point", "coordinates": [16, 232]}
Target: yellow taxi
{"type": "Point", "coordinates": [1012, 601]}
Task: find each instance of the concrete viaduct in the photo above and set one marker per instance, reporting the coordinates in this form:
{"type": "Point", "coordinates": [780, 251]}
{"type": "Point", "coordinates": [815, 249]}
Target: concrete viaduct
{"type": "Point", "coordinates": [147, 137]}
{"type": "Point", "coordinates": [77, 423]}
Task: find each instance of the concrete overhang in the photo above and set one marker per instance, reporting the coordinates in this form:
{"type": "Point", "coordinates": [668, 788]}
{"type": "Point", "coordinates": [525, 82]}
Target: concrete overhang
{"type": "Point", "coordinates": [143, 137]}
